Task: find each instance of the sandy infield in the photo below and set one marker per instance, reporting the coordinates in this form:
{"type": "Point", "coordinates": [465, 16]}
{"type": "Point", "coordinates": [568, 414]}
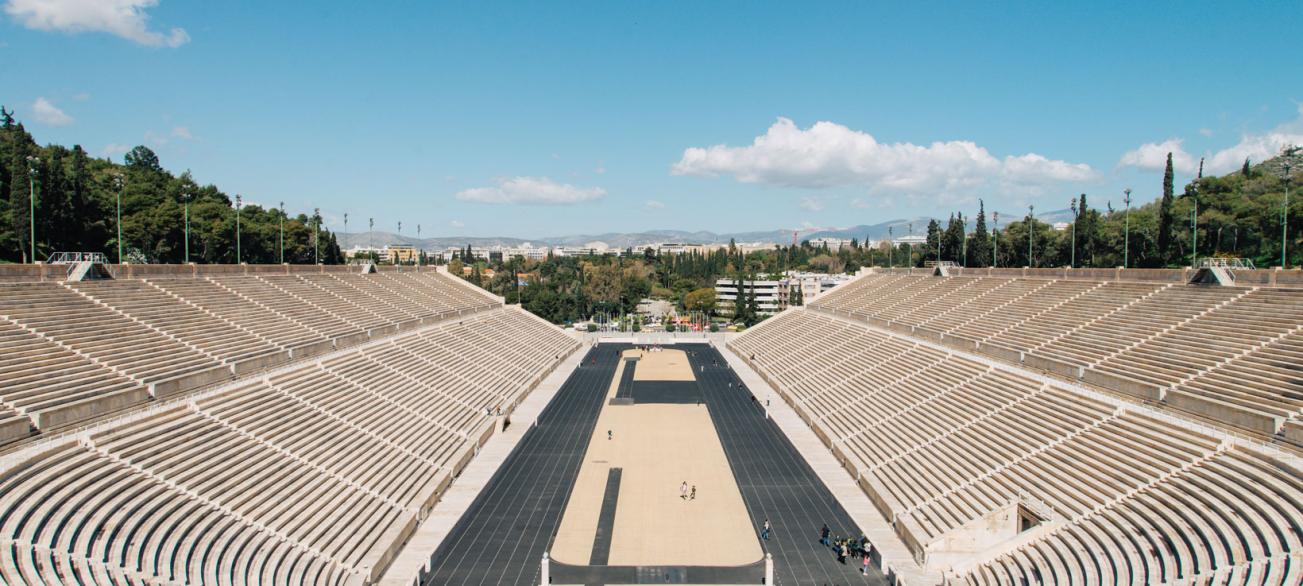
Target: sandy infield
{"type": "Point", "coordinates": [658, 446]}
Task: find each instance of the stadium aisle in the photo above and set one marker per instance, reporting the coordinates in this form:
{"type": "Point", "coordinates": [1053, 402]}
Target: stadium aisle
{"type": "Point", "coordinates": [501, 538]}
{"type": "Point", "coordinates": [777, 483]}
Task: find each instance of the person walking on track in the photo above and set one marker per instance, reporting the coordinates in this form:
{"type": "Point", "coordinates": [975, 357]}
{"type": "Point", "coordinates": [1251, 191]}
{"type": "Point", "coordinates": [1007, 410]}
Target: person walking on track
{"type": "Point", "coordinates": [764, 533]}
{"type": "Point", "coordinates": [683, 490]}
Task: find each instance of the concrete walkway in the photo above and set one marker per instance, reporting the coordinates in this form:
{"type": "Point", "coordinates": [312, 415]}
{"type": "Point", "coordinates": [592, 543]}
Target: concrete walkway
{"type": "Point", "coordinates": [415, 555]}
{"type": "Point", "coordinates": [895, 555]}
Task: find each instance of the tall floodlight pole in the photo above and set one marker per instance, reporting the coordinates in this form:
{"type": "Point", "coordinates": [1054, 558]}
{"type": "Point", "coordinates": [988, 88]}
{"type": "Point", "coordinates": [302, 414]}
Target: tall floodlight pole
{"type": "Point", "coordinates": [1284, 210]}
{"type": "Point", "coordinates": [238, 201]}
{"type": "Point", "coordinates": [1031, 218]}
{"type": "Point", "coordinates": [371, 235]}
{"type": "Point", "coordinates": [185, 206]}
{"type": "Point", "coordinates": [963, 240]}
{"type": "Point", "coordinates": [32, 162]}
{"type": "Point", "coordinates": [400, 238]}
{"type": "Point", "coordinates": [282, 231]}
{"type": "Point", "coordinates": [891, 249]}
{"type": "Point", "coordinates": [1194, 231]}
{"type": "Point", "coordinates": [995, 232]}
{"type": "Point", "coordinates": [1072, 264]}
{"type": "Point", "coordinates": [909, 248]}
{"type": "Point", "coordinates": [421, 250]}
{"type": "Point", "coordinates": [1126, 230]}
{"type": "Point", "coordinates": [117, 188]}
{"type": "Point", "coordinates": [316, 236]}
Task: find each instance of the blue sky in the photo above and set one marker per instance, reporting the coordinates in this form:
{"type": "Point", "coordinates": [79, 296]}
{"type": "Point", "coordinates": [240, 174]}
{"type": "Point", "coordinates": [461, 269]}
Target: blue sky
{"type": "Point", "coordinates": [541, 119]}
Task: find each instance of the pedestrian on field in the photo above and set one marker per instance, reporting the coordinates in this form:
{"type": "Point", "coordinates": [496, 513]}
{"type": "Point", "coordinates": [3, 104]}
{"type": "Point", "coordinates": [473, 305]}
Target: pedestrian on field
{"type": "Point", "coordinates": [693, 496]}
{"type": "Point", "coordinates": [683, 490]}
{"type": "Point", "coordinates": [842, 553]}
{"type": "Point", "coordinates": [864, 565]}
{"type": "Point", "coordinates": [764, 533]}
{"type": "Point", "coordinates": [823, 535]}
{"type": "Point", "coordinates": [609, 435]}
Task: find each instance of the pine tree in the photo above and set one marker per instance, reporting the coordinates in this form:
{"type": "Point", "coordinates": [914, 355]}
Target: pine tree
{"type": "Point", "coordinates": [1246, 171]}
{"type": "Point", "coordinates": [952, 241]}
{"type": "Point", "coordinates": [933, 241]}
{"type": "Point", "coordinates": [1165, 214]}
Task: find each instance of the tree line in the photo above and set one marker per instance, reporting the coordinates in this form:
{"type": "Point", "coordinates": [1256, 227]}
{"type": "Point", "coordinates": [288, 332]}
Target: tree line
{"type": "Point", "coordinates": [71, 199]}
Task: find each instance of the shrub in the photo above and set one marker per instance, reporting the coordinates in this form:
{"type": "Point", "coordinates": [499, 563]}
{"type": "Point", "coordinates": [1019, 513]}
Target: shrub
{"type": "Point", "coordinates": [592, 328]}
{"type": "Point", "coordinates": [669, 327]}
{"type": "Point", "coordinates": [714, 327]}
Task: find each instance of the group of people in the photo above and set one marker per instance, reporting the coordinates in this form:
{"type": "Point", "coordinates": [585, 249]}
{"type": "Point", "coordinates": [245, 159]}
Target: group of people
{"type": "Point", "coordinates": [847, 547]}
{"type": "Point", "coordinates": [685, 494]}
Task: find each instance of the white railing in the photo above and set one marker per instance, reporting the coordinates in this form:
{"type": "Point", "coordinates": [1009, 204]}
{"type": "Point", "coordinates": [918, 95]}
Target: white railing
{"type": "Point", "coordinates": [68, 258]}
{"type": "Point", "coordinates": [1226, 263]}
{"type": "Point", "coordinates": [931, 264]}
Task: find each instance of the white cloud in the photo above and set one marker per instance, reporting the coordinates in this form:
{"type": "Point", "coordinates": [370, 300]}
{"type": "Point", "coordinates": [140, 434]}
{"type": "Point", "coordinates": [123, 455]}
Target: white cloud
{"type": "Point", "coordinates": [47, 113]}
{"type": "Point", "coordinates": [1206, 131]}
{"type": "Point", "coordinates": [531, 190]}
{"type": "Point", "coordinates": [1258, 147]}
{"type": "Point", "coordinates": [829, 154]}
{"type": "Point", "coordinates": [601, 168]}
{"type": "Point", "coordinates": [113, 149]}
{"type": "Point", "coordinates": [811, 203]}
{"type": "Point", "coordinates": [1152, 156]}
{"type": "Point", "coordinates": [1255, 147]}
{"type": "Point", "coordinates": [182, 133]}
{"type": "Point", "coordinates": [457, 223]}
{"type": "Point", "coordinates": [124, 18]}
{"type": "Point", "coordinates": [652, 204]}
{"type": "Point", "coordinates": [81, 97]}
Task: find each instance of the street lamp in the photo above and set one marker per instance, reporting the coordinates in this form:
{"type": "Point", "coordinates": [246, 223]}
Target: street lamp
{"type": "Point", "coordinates": [1126, 231]}
{"type": "Point", "coordinates": [118, 182]}
{"type": "Point", "coordinates": [238, 201]}
{"type": "Point", "coordinates": [1194, 229]}
{"type": "Point", "coordinates": [421, 249]}
{"type": "Point", "coordinates": [891, 249]}
{"type": "Point", "coordinates": [995, 233]}
{"type": "Point", "coordinates": [1072, 264]}
{"type": "Point", "coordinates": [371, 235]}
{"type": "Point", "coordinates": [316, 237]}
{"type": "Point", "coordinates": [1284, 210]}
{"type": "Point", "coordinates": [1031, 217]}
{"type": "Point", "coordinates": [32, 162]}
{"type": "Point", "coordinates": [186, 196]}
{"type": "Point", "coordinates": [282, 232]}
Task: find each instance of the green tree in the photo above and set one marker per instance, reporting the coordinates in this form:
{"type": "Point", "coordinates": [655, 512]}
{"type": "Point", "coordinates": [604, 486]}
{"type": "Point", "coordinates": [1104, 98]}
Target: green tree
{"type": "Point", "coordinates": [1165, 219]}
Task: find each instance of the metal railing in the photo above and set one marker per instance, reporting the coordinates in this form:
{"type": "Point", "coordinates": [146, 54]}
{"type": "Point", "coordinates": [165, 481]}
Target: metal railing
{"type": "Point", "coordinates": [68, 258]}
{"type": "Point", "coordinates": [1226, 263]}
{"type": "Point", "coordinates": [931, 264]}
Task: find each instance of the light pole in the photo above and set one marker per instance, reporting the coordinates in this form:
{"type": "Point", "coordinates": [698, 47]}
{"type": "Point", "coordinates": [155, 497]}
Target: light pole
{"type": "Point", "coordinates": [963, 239]}
{"type": "Point", "coordinates": [1031, 217]}
{"type": "Point", "coordinates": [909, 248]}
{"type": "Point", "coordinates": [891, 249]}
{"type": "Point", "coordinates": [32, 162]}
{"type": "Point", "coordinates": [316, 237]}
{"type": "Point", "coordinates": [282, 232]}
{"type": "Point", "coordinates": [1072, 264]}
{"type": "Point", "coordinates": [117, 187]}
{"type": "Point", "coordinates": [995, 233]}
{"type": "Point", "coordinates": [186, 196]}
{"type": "Point", "coordinates": [421, 249]}
{"type": "Point", "coordinates": [1194, 231]}
{"type": "Point", "coordinates": [238, 200]}
{"type": "Point", "coordinates": [371, 235]}
{"type": "Point", "coordinates": [1284, 210]}
{"type": "Point", "coordinates": [1126, 230]}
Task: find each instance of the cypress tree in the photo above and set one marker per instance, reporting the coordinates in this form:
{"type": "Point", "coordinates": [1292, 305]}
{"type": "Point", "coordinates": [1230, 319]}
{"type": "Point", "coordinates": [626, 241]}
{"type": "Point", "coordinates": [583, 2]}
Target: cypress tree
{"type": "Point", "coordinates": [1165, 214]}
{"type": "Point", "coordinates": [979, 245]}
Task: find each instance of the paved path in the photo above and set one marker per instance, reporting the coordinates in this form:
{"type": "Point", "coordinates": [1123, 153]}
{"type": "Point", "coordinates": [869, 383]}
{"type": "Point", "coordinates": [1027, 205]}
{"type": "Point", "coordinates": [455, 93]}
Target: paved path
{"type": "Point", "coordinates": [777, 484]}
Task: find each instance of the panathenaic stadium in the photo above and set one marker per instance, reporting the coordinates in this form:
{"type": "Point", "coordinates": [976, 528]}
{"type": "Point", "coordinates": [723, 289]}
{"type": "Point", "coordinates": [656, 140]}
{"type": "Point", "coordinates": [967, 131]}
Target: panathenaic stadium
{"type": "Point", "coordinates": [304, 425]}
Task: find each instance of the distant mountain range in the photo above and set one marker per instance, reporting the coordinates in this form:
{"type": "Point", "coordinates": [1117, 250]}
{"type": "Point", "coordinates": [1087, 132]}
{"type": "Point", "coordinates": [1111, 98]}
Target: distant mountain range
{"type": "Point", "coordinates": [899, 227]}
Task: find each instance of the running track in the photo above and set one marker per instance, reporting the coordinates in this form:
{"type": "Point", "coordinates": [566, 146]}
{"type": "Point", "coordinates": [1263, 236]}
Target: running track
{"type": "Point", "coordinates": [502, 537]}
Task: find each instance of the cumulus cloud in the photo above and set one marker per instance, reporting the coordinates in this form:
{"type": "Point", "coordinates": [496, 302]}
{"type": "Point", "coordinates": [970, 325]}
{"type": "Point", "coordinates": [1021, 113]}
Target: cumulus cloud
{"type": "Point", "coordinates": [531, 190]}
{"type": "Point", "coordinates": [811, 203]}
{"type": "Point", "coordinates": [1152, 156]}
{"type": "Point", "coordinates": [123, 18]}
{"type": "Point", "coordinates": [829, 154]}
{"type": "Point", "coordinates": [457, 223]}
{"type": "Point", "coordinates": [1255, 147]}
{"type": "Point", "coordinates": [182, 133]}
{"type": "Point", "coordinates": [47, 113]}
{"type": "Point", "coordinates": [652, 204]}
